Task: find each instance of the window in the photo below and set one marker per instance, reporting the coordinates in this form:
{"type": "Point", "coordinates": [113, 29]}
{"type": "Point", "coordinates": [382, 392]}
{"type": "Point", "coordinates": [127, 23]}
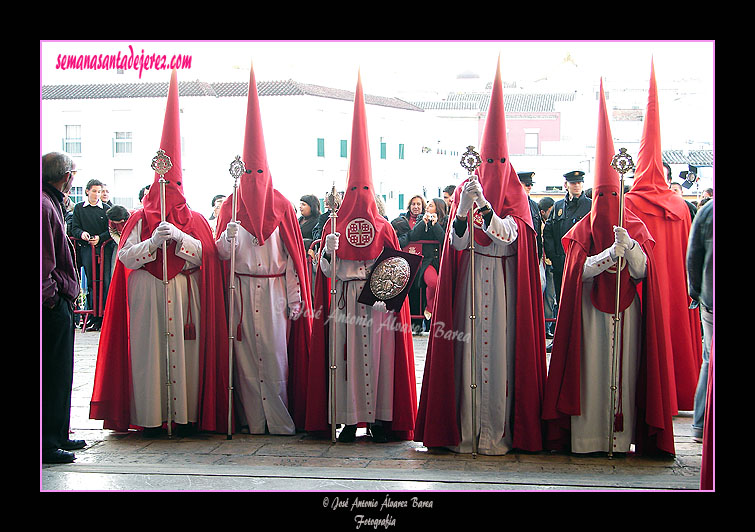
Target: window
{"type": "Point", "coordinates": [344, 149]}
{"type": "Point", "coordinates": [531, 141]}
{"type": "Point", "coordinates": [72, 140]}
{"type": "Point", "coordinates": [122, 143]}
{"type": "Point", "coordinates": [382, 150]}
{"type": "Point", "coordinates": [400, 151]}
{"type": "Point", "coordinates": [321, 147]}
{"type": "Point", "coordinates": [76, 195]}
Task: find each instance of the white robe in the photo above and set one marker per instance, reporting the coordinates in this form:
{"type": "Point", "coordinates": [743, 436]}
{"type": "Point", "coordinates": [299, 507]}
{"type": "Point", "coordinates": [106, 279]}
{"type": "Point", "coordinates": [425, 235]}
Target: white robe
{"type": "Point", "coordinates": [495, 302]}
{"type": "Point", "coordinates": [366, 349]}
{"type": "Point", "coordinates": [590, 431]}
{"type": "Point", "coordinates": [146, 297]}
{"type": "Point", "coordinates": [260, 359]}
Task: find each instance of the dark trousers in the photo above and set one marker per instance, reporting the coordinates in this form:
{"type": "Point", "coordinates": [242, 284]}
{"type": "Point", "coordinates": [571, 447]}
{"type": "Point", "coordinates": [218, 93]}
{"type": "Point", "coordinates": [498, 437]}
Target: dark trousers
{"type": "Point", "coordinates": [57, 373]}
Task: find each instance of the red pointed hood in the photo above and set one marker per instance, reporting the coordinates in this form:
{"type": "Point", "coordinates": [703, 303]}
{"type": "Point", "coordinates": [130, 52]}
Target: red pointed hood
{"type": "Point", "coordinates": [650, 188]}
{"type": "Point", "coordinates": [360, 224]}
{"type": "Point", "coordinates": [604, 213]}
{"type": "Point", "coordinates": [260, 209]}
{"type": "Point", "coordinates": [595, 233]}
{"type": "Point", "coordinates": [176, 210]}
{"type": "Point", "coordinates": [500, 183]}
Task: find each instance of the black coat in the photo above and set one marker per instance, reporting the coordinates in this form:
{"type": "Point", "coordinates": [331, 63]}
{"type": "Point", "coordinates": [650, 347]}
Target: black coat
{"type": "Point", "coordinates": [563, 217]}
{"type": "Point", "coordinates": [430, 252]}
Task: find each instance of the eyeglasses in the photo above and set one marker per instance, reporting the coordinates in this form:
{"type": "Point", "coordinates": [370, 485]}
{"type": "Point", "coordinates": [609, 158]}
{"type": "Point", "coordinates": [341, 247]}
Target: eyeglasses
{"type": "Point", "coordinates": [72, 172]}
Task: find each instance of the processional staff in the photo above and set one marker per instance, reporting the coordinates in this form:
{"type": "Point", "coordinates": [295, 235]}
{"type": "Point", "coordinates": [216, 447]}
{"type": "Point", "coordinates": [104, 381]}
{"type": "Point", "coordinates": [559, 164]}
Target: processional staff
{"type": "Point", "coordinates": [470, 160]}
{"type": "Point", "coordinates": [333, 201]}
{"type": "Point", "coordinates": [161, 164]}
{"type": "Point", "coordinates": [237, 168]}
{"type": "Point", "coordinates": [622, 163]}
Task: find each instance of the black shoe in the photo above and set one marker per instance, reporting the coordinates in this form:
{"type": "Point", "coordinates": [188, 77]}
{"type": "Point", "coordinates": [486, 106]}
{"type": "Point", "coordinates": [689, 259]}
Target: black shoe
{"type": "Point", "coordinates": [378, 433]}
{"type": "Point", "coordinates": [183, 430]}
{"type": "Point", "coordinates": [152, 432]}
{"type": "Point", "coordinates": [348, 434]}
{"type": "Point", "coordinates": [72, 445]}
{"type": "Point", "coordinates": [549, 348]}
{"type": "Point", "coordinates": [548, 335]}
{"type": "Point", "coordinates": [57, 456]}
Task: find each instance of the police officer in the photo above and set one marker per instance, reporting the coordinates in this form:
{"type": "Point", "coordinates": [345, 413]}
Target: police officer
{"type": "Point", "coordinates": [525, 178]}
{"type": "Point", "coordinates": [565, 214]}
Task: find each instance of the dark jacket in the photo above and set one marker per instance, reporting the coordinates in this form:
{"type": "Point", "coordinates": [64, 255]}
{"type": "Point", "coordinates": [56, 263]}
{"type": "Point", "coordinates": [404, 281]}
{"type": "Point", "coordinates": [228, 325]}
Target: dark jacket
{"type": "Point", "coordinates": [700, 257]}
{"type": "Point", "coordinates": [402, 227]}
{"type": "Point", "coordinates": [59, 277]}
{"type": "Point", "coordinates": [430, 252]}
{"type": "Point", "coordinates": [307, 225]}
{"type": "Point", "coordinates": [565, 214]}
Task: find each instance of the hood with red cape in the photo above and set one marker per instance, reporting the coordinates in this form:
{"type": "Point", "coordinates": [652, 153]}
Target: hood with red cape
{"type": "Point", "coordinates": [667, 217]}
{"type": "Point", "coordinates": [437, 416]}
{"type": "Point", "coordinates": [260, 210]}
{"type": "Point", "coordinates": [112, 380]}
{"type": "Point", "coordinates": [590, 236]}
{"type": "Point", "coordinates": [364, 233]}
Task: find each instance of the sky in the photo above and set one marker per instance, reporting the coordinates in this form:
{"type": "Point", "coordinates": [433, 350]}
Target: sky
{"type": "Point", "coordinates": [391, 68]}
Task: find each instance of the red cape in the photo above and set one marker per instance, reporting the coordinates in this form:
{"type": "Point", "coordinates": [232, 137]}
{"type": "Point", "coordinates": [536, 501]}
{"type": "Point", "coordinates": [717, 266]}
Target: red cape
{"type": "Point", "coordinates": [301, 328]}
{"type": "Point", "coordinates": [404, 378]}
{"type": "Point", "coordinates": [670, 230]}
{"type": "Point", "coordinates": [436, 419]}
{"type": "Point", "coordinates": [112, 379]}
{"type": "Point", "coordinates": [562, 394]}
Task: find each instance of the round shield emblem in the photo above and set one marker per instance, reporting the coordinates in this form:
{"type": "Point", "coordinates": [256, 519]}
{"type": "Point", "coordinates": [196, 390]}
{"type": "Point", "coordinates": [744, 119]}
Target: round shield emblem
{"type": "Point", "coordinates": [360, 233]}
{"type": "Point", "coordinates": [390, 277]}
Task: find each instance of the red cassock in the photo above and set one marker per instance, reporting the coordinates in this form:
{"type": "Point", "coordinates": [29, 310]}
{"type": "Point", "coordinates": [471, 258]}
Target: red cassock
{"type": "Point", "coordinates": [668, 219]}
{"type": "Point", "coordinates": [404, 378]}
{"type": "Point", "coordinates": [112, 381]}
{"type": "Point", "coordinates": [301, 328]}
{"type": "Point", "coordinates": [654, 395]}
{"type": "Point", "coordinates": [437, 416]}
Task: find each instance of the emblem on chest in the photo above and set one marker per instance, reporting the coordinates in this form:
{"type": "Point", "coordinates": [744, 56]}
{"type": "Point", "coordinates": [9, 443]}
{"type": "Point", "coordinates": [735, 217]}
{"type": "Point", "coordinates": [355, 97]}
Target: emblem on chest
{"type": "Point", "coordinates": [360, 232]}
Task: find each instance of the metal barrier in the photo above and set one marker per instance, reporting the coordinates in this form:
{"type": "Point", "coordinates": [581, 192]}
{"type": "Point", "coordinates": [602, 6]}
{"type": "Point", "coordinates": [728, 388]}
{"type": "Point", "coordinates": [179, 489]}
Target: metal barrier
{"type": "Point", "coordinates": [97, 283]}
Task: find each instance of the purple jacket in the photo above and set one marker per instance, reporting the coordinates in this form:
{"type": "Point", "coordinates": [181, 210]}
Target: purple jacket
{"type": "Point", "coordinates": [58, 275]}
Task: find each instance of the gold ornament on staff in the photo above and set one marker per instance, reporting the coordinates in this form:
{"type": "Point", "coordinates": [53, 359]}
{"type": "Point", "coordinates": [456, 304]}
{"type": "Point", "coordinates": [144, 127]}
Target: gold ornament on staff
{"type": "Point", "coordinates": [622, 163]}
{"type": "Point", "coordinates": [470, 161]}
{"type": "Point", "coordinates": [161, 164]}
{"type": "Point", "coordinates": [333, 200]}
{"type": "Point", "coordinates": [236, 169]}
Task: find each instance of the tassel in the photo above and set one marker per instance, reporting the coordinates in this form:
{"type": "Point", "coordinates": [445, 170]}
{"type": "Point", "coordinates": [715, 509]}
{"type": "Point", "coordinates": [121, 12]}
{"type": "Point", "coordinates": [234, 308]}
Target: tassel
{"type": "Point", "coordinates": [618, 423]}
{"type": "Point", "coordinates": [238, 332]}
{"type": "Point", "coordinates": [190, 333]}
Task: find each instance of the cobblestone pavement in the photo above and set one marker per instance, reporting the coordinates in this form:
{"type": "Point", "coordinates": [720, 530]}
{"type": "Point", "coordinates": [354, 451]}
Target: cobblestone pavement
{"type": "Point", "coordinates": [211, 462]}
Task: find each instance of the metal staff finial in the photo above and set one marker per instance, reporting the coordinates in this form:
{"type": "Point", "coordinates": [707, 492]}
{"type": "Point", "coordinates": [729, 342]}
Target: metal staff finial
{"type": "Point", "coordinates": [470, 161]}
{"type": "Point", "coordinates": [622, 163]}
{"type": "Point", "coordinates": [236, 169]}
{"type": "Point", "coordinates": [161, 164]}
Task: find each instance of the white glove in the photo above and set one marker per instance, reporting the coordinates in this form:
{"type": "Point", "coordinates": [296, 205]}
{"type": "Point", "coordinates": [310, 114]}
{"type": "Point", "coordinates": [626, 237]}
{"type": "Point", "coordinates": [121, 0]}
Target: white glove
{"type": "Point", "coordinates": [294, 310]}
{"type": "Point", "coordinates": [467, 198]}
{"type": "Point", "coordinates": [231, 230]}
{"type": "Point", "coordinates": [481, 201]}
{"type": "Point", "coordinates": [331, 242]}
{"type": "Point", "coordinates": [158, 237]}
{"type": "Point", "coordinates": [168, 231]}
{"type": "Point", "coordinates": [380, 306]}
{"type": "Point", "coordinates": [622, 237]}
{"type": "Point", "coordinates": [622, 242]}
